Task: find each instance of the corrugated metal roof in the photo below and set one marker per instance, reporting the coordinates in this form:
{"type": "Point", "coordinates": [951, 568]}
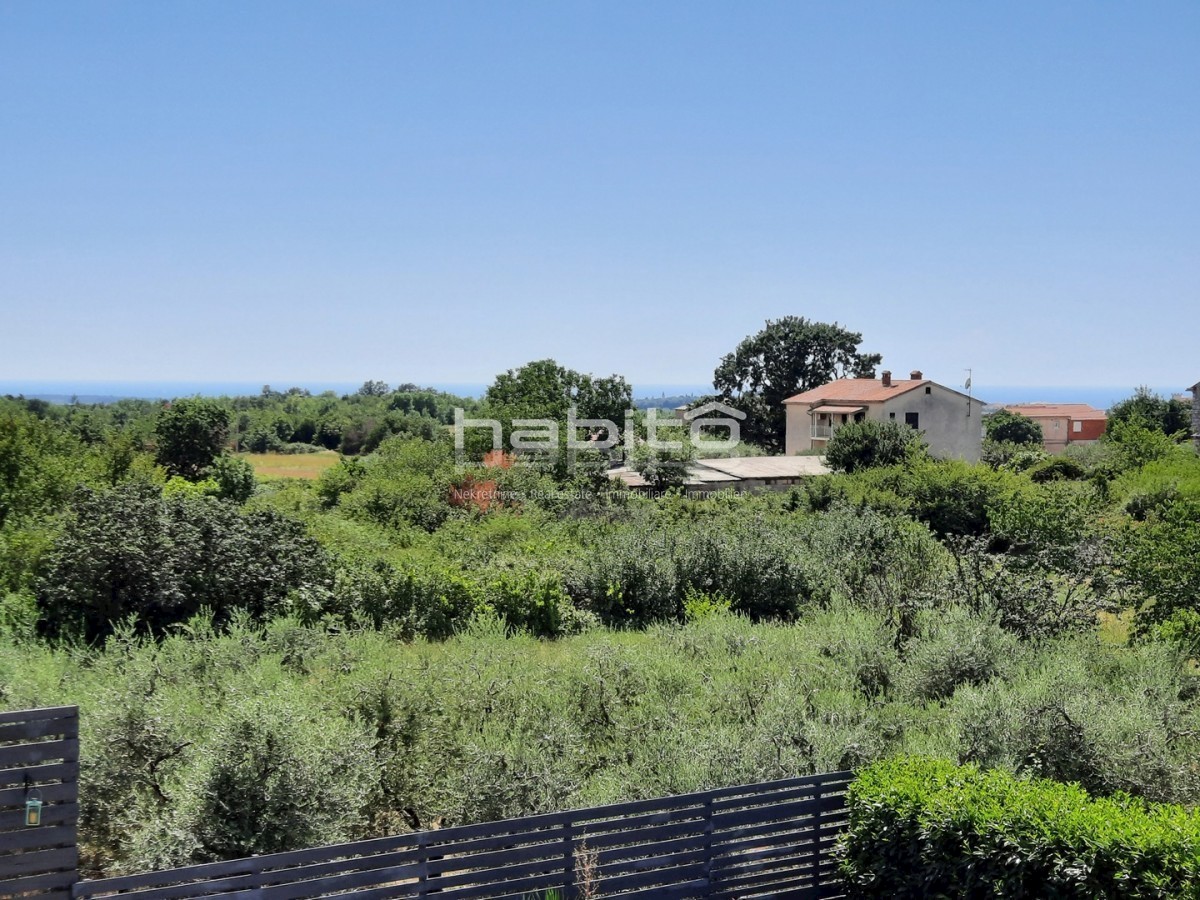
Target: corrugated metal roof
{"type": "Point", "coordinates": [731, 471]}
{"type": "Point", "coordinates": [767, 466]}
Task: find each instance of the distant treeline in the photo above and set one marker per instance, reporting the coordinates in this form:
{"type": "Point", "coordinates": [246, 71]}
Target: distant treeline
{"type": "Point", "coordinates": [292, 420]}
{"type": "Point", "coordinates": [665, 402]}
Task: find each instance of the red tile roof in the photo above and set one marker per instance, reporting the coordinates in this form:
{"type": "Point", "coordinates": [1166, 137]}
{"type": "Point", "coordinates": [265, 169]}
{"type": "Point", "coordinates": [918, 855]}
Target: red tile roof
{"type": "Point", "coordinates": [1079, 411]}
{"type": "Point", "coordinates": [857, 390]}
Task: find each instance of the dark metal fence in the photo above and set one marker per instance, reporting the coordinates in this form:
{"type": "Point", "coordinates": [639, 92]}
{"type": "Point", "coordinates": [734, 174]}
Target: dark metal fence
{"type": "Point", "coordinates": [39, 775]}
{"type": "Point", "coordinates": [760, 840]}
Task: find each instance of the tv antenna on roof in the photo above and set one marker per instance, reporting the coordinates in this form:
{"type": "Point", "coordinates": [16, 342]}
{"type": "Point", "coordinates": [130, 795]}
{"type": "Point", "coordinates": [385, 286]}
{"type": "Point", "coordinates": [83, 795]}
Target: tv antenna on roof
{"type": "Point", "coordinates": [967, 387]}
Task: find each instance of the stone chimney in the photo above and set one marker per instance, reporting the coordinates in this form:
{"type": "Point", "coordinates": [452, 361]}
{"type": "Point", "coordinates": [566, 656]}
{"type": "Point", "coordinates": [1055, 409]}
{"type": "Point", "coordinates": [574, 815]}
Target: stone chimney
{"type": "Point", "coordinates": [887, 378]}
{"type": "Point", "coordinates": [1196, 415]}
{"type": "Point", "coordinates": [916, 375]}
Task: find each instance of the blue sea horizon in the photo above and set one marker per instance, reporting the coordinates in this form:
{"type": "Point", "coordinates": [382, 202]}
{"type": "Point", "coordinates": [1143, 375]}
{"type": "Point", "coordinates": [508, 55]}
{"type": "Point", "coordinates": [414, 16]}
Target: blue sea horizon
{"type": "Point", "coordinates": [83, 391]}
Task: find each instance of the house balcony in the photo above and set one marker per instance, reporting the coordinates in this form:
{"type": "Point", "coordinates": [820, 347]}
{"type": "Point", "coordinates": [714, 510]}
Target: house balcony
{"type": "Point", "coordinates": [821, 432]}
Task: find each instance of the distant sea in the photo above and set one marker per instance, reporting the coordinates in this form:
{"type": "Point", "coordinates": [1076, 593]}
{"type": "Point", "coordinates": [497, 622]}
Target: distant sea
{"type": "Point", "coordinates": [109, 391]}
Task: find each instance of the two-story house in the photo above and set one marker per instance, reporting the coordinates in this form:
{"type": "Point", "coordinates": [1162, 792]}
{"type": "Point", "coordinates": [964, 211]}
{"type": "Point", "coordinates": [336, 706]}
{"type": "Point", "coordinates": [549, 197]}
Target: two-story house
{"type": "Point", "coordinates": [950, 421]}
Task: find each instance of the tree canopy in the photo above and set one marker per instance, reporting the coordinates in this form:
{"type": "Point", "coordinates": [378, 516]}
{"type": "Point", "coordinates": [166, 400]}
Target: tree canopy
{"type": "Point", "coordinates": [544, 389]}
{"type": "Point", "coordinates": [130, 551]}
{"type": "Point", "coordinates": [1148, 410]}
{"type": "Point", "coordinates": [1013, 428]}
{"type": "Point", "coordinates": [191, 434]}
{"type": "Point", "coordinates": [789, 356]}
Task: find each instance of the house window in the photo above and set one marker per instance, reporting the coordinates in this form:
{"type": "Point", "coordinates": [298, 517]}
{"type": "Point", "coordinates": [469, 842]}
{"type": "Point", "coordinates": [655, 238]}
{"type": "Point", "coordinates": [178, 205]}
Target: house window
{"type": "Point", "coordinates": [859, 416]}
{"type": "Point", "coordinates": [928, 390]}
{"type": "Point", "coordinates": [891, 415]}
{"type": "Point", "coordinates": [1077, 427]}
{"type": "Point", "coordinates": [912, 420]}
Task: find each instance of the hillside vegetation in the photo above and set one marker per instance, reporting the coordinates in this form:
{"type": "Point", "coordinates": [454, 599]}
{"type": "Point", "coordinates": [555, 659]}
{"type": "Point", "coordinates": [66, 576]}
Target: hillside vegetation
{"type": "Point", "coordinates": [264, 664]}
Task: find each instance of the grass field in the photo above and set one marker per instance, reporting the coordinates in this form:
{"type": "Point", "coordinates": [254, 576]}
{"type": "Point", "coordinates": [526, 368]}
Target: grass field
{"type": "Point", "coordinates": [290, 465]}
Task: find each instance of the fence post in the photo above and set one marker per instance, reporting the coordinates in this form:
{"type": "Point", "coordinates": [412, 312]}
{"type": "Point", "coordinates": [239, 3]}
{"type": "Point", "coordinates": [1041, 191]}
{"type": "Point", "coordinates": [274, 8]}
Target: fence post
{"type": "Point", "coordinates": [39, 797]}
{"type": "Point", "coordinates": [422, 864]}
{"type": "Point", "coordinates": [708, 839]}
{"type": "Point", "coordinates": [569, 886]}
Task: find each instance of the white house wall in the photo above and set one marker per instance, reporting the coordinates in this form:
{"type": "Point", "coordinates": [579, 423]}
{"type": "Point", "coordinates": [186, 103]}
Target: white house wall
{"type": "Point", "coordinates": [943, 418]}
{"type": "Point", "coordinates": [798, 436]}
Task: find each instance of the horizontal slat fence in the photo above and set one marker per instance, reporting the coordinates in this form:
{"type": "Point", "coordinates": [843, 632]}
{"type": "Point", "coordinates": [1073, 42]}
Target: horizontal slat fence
{"type": "Point", "coordinates": [39, 758]}
{"type": "Point", "coordinates": [764, 840]}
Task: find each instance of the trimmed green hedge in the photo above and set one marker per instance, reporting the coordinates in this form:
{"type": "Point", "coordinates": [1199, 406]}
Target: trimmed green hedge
{"type": "Point", "coordinates": [928, 828]}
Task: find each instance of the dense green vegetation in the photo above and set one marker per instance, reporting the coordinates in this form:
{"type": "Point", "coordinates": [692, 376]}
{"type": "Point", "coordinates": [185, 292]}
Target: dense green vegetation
{"type": "Point", "coordinates": [413, 637]}
{"type": "Point", "coordinates": [254, 738]}
{"type": "Point", "coordinates": [1008, 427]}
{"type": "Point", "coordinates": [927, 828]}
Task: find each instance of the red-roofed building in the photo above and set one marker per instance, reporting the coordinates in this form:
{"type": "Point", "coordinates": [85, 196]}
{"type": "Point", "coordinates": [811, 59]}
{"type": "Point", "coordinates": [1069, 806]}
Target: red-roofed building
{"type": "Point", "coordinates": [951, 422]}
{"type": "Point", "coordinates": [1064, 423]}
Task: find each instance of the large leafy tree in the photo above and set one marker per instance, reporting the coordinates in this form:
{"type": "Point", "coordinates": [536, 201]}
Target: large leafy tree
{"type": "Point", "coordinates": [788, 356]}
{"type": "Point", "coordinates": [1013, 428]}
{"type": "Point", "coordinates": [1146, 409]}
{"type": "Point", "coordinates": [190, 435]}
{"type": "Point", "coordinates": [545, 390]}
{"type": "Point", "coordinates": [131, 552]}
{"type": "Point", "coordinates": [37, 463]}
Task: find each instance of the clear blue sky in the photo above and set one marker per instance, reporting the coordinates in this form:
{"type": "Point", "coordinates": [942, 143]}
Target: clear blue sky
{"type": "Point", "coordinates": [305, 191]}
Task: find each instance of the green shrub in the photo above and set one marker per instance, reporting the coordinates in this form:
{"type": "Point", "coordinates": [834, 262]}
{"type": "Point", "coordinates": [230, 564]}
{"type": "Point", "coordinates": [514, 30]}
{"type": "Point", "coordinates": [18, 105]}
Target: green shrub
{"type": "Point", "coordinates": [868, 444]}
{"type": "Point", "coordinates": [339, 480]}
{"type": "Point", "coordinates": [234, 477]}
{"type": "Point", "coordinates": [1009, 455]}
{"type": "Point", "coordinates": [1133, 446]}
{"type": "Point", "coordinates": [1057, 468]}
{"type": "Point", "coordinates": [405, 482]}
{"type": "Point", "coordinates": [951, 496]}
{"type": "Point", "coordinates": [927, 828]}
{"type": "Point", "coordinates": [276, 775]}
{"type": "Point", "coordinates": [889, 565]}
{"type": "Point", "coordinates": [530, 601]}
{"type": "Point", "coordinates": [18, 615]}
{"type": "Point", "coordinates": [1181, 629]}
{"type": "Point", "coordinates": [1158, 560]}
{"type": "Point", "coordinates": [644, 572]}
{"type": "Point", "coordinates": [954, 648]}
{"type": "Point", "coordinates": [426, 601]}
{"type": "Point", "coordinates": [1013, 428]}
{"type": "Point", "coordinates": [130, 551]}
{"type": "Point", "coordinates": [1153, 489]}
{"type": "Point", "coordinates": [698, 605]}
{"type": "Point", "coordinates": [1111, 720]}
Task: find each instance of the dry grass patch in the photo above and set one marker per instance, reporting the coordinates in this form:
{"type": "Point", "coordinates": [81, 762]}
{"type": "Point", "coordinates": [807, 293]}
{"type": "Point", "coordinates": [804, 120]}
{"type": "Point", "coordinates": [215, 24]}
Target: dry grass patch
{"type": "Point", "coordinates": [1114, 628]}
{"type": "Point", "coordinates": [290, 465]}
